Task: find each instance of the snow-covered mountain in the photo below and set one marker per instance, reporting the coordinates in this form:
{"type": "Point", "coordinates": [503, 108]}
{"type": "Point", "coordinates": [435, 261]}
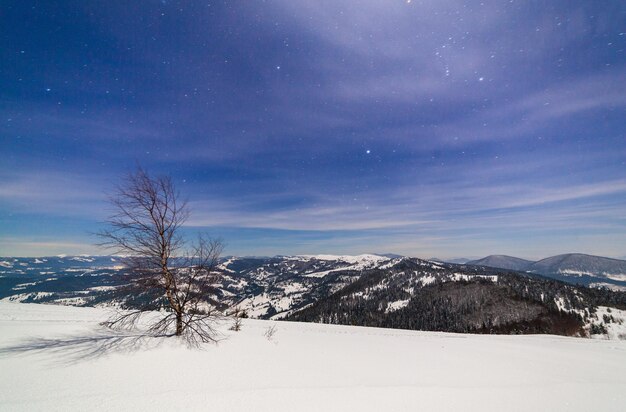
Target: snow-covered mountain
{"type": "Point", "coordinates": [420, 295]}
{"type": "Point", "coordinates": [375, 290]}
{"type": "Point", "coordinates": [578, 264]}
{"type": "Point", "coordinates": [502, 261]}
{"type": "Point", "coordinates": [275, 287]}
{"type": "Point", "coordinates": [460, 261]}
{"type": "Point", "coordinates": [263, 287]}
{"type": "Point", "coordinates": [574, 268]}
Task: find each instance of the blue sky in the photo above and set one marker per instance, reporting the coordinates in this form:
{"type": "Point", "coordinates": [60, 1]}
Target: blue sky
{"type": "Point", "coordinates": [430, 128]}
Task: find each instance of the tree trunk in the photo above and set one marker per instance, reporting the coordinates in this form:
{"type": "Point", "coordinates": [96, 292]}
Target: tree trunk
{"type": "Point", "coordinates": [179, 323]}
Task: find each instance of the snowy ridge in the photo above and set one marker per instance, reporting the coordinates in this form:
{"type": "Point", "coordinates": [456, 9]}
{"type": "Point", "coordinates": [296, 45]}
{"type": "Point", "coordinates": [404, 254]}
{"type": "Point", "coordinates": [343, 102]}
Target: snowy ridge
{"type": "Point", "coordinates": [283, 286]}
{"type": "Point", "coordinates": [366, 259]}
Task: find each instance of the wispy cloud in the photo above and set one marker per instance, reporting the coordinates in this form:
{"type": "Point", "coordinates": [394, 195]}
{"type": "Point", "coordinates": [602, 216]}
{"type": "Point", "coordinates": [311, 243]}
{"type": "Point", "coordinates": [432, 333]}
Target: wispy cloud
{"type": "Point", "coordinates": [27, 247]}
{"type": "Point", "coordinates": [53, 192]}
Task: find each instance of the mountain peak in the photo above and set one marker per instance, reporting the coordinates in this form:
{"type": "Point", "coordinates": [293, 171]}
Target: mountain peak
{"type": "Point", "coordinates": [502, 261]}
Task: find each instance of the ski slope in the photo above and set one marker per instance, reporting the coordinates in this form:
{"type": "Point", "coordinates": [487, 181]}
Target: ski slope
{"type": "Point", "coordinates": [57, 358]}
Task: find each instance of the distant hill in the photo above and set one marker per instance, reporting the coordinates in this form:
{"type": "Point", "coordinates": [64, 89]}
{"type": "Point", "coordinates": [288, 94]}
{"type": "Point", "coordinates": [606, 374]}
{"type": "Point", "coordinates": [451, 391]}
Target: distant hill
{"type": "Point", "coordinates": [578, 264]}
{"type": "Point", "coordinates": [572, 267]}
{"type": "Point", "coordinates": [502, 261]}
{"type": "Point", "coordinates": [459, 261]}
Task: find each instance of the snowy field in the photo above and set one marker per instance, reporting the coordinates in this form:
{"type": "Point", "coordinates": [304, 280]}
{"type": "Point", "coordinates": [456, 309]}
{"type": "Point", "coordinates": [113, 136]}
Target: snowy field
{"type": "Point", "coordinates": [57, 358]}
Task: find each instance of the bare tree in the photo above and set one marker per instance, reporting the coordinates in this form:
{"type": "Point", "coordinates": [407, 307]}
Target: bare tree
{"type": "Point", "coordinates": [238, 315]}
{"type": "Point", "coordinates": [166, 273]}
{"type": "Point", "coordinates": [270, 332]}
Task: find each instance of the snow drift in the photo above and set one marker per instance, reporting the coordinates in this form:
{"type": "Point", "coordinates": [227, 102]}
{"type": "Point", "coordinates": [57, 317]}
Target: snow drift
{"type": "Point", "coordinates": [58, 358]}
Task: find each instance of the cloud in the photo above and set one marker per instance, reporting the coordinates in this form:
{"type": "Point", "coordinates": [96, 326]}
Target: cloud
{"type": "Point", "coordinates": [53, 192]}
{"type": "Point", "coordinates": [450, 207]}
{"type": "Point", "coordinates": [25, 247]}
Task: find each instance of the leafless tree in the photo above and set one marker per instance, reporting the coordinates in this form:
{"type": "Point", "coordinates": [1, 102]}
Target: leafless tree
{"type": "Point", "coordinates": [270, 332]}
{"type": "Point", "coordinates": [238, 315]}
{"type": "Point", "coordinates": [166, 273]}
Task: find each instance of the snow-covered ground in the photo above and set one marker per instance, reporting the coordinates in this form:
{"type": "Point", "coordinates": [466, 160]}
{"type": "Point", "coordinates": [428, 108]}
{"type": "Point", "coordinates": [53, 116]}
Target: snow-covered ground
{"type": "Point", "coordinates": [58, 358]}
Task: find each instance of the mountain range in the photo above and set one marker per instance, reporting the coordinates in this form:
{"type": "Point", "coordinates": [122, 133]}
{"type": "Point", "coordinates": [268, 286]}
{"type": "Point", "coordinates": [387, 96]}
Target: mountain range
{"type": "Point", "coordinates": [369, 290]}
{"type": "Point", "coordinates": [576, 268]}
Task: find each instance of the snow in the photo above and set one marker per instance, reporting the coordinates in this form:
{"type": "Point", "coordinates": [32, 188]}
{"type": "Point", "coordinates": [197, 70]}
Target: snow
{"type": "Point", "coordinates": [359, 262]}
{"type": "Point", "coordinates": [572, 272]}
{"type": "Point", "coordinates": [391, 263]}
{"type": "Point", "coordinates": [461, 276]}
{"type": "Point", "coordinates": [23, 285]}
{"type": "Point", "coordinates": [257, 305]}
{"type": "Point", "coordinates": [225, 264]}
{"type": "Point", "coordinates": [322, 273]}
{"type": "Point", "coordinates": [560, 304]}
{"type": "Point", "coordinates": [78, 301]}
{"type": "Point", "coordinates": [617, 327]}
{"type": "Point", "coordinates": [102, 288]}
{"type": "Point", "coordinates": [24, 296]}
{"type": "Point", "coordinates": [358, 294]}
{"type": "Point", "coordinates": [399, 304]}
{"type": "Point", "coordinates": [294, 287]}
{"type": "Point", "coordinates": [613, 276]}
{"type": "Point", "coordinates": [60, 359]}
{"type": "Point", "coordinates": [283, 303]}
{"type": "Point", "coordinates": [349, 259]}
{"type": "Point", "coordinates": [608, 285]}
{"type": "Point", "coordinates": [427, 280]}
{"type": "Point", "coordinates": [620, 276]}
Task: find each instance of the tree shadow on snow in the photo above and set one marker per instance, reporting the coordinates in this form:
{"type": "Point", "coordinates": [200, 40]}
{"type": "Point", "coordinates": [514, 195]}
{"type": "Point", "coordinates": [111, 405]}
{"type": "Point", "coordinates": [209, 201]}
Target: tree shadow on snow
{"type": "Point", "coordinates": [74, 349]}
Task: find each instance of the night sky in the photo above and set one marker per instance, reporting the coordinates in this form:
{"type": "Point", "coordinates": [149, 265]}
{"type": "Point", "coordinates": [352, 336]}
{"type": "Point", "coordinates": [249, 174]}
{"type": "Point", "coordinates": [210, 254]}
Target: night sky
{"type": "Point", "coordinates": [428, 128]}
